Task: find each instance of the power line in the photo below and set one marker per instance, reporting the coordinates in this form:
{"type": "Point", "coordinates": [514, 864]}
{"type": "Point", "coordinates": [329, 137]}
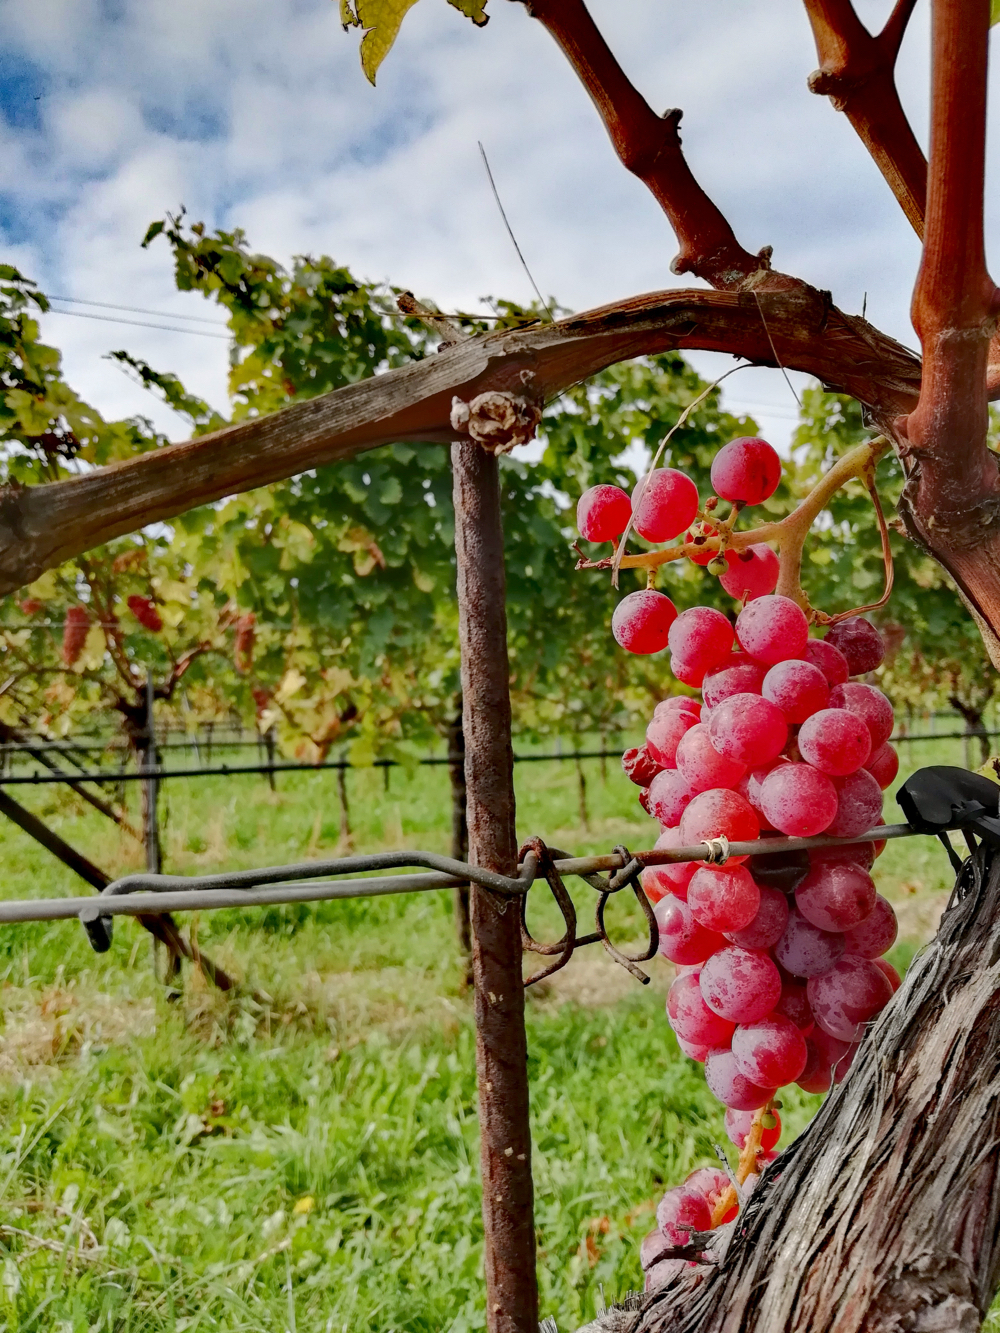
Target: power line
{"type": "Point", "coordinates": [140, 323]}
{"type": "Point", "coordinates": [138, 310]}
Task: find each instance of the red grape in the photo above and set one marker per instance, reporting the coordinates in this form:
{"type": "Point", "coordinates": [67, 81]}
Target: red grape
{"type": "Point", "coordinates": [883, 765]}
{"type": "Point", "coordinates": [830, 660]}
{"type": "Point", "coordinates": [682, 938]}
{"type": "Point", "coordinates": [738, 1127]}
{"type": "Point", "coordinates": [682, 1211]}
{"type": "Point", "coordinates": [748, 728]}
{"type": "Point", "coordinates": [741, 675]}
{"type": "Point", "coordinates": [876, 934]}
{"type": "Point", "coordinates": [674, 876]}
{"type": "Point", "coordinates": [691, 1018]}
{"type": "Point", "coordinates": [794, 1004]}
{"type": "Point", "coordinates": [668, 505]}
{"type": "Point", "coordinates": [719, 814]}
{"type": "Point", "coordinates": [867, 703]}
{"type": "Point", "coordinates": [703, 635]}
{"type": "Point", "coordinates": [639, 766]}
{"type": "Point", "coordinates": [798, 688]}
{"type": "Point", "coordinates": [804, 950]}
{"type": "Point", "coordinates": [663, 733]}
{"type": "Point", "coordinates": [713, 1184]}
{"type": "Point", "coordinates": [730, 1086]}
{"type": "Point", "coordinates": [847, 996]}
{"type": "Point", "coordinates": [842, 1067]}
{"type": "Point", "coordinates": [701, 764]}
{"type": "Point", "coordinates": [739, 984]}
{"type": "Point", "coordinates": [752, 572]}
{"type": "Point", "coordinates": [830, 1048]}
{"type": "Point", "coordinates": [890, 973]}
{"type": "Point", "coordinates": [642, 621]}
{"type": "Point", "coordinates": [859, 805]}
{"type": "Point", "coordinates": [688, 670]}
{"type": "Point", "coordinates": [682, 702]}
{"type": "Point", "coordinates": [723, 897]}
{"type": "Point", "coordinates": [772, 629]}
{"type": "Point", "coordinates": [860, 642]}
{"type": "Point", "coordinates": [670, 794]}
{"type": "Point", "coordinates": [858, 854]}
{"type": "Point", "coordinates": [836, 898]}
{"type": "Point", "coordinates": [654, 1248]}
{"type": "Point", "coordinates": [747, 470]}
{"type": "Point", "coordinates": [703, 554]}
{"type": "Point", "coordinates": [693, 1051]}
{"type": "Point", "coordinates": [816, 1077]}
{"type": "Point", "coordinates": [798, 800]}
{"type": "Point", "coordinates": [768, 925]}
{"type": "Point", "coordinates": [770, 1052]}
{"type": "Point", "coordinates": [602, 513]}
{"type": "Point", "coordinates": [835, 741]}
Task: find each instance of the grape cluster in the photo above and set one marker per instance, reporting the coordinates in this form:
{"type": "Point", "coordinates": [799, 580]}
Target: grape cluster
{"type": "Point", "coordinates": [779, 968]}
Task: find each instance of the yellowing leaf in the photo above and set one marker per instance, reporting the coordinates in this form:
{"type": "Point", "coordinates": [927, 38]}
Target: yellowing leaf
{"type": "Point", "coordinates": [476, 10]}
{"type": "Point", "coordinates": [94, 647]}
{"type": "Point", "coordinates": [424, 581]}
{"type": "Point", "coordinates": [381, 20]}
{"type": "Point", "coordinates": [994, 12]}
{"type": "Point", "coordinates": [44, 588]}
{"type": "Point", "coordinates": [291, 682]}
{"type": "Point", "coordinates": [991, 769]}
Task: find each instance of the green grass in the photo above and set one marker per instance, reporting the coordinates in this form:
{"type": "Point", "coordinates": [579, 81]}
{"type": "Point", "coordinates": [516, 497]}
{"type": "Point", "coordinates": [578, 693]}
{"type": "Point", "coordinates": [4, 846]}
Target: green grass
{"type": "Point", "coordinates": [152, 1153]}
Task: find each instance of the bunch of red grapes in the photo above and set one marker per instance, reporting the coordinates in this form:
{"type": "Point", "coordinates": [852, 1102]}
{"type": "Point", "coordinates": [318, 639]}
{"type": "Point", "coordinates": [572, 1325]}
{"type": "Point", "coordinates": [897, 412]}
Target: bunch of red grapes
{"type": "Point", "coordinates": [779, 960]}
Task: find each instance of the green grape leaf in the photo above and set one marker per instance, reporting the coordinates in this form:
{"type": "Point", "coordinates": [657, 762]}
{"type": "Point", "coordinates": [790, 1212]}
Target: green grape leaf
{"type": "Point", "coordinates": [476, 10]}
{"type": "Point", "coordinates": [994, 12]}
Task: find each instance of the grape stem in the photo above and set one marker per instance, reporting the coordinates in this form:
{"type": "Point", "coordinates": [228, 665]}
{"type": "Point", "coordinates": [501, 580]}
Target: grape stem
{"type": "Point", "coordinates": [747, 1164]}
{"type": "Point", "coordinates": [788, 534]}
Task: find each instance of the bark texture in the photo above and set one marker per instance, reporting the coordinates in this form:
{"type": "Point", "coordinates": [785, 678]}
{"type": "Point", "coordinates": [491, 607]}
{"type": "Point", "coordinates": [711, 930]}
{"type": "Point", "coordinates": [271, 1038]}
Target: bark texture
{"type": "Point", "coordinates": [883, 1216]}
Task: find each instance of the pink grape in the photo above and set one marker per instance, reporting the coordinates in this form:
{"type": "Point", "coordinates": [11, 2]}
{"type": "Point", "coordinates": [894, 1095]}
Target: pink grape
{"type": "Point", "coordinates": [772, 629]}
{"type": "Point", "coordinates": [654, 1247]}
{"type": "Point", "coordinates": [746, 471]}
{"type": "Point", "coordinates": [691, 1018]}
{"type": "Point", "coordinates": [702, 634]}
{"type": "Point", "coordinates": [830, 1048]}
{"type": "Point", "coordinates": [752, 572]}
{"type": "Point", "coordinates": [741, 675]}
{"type": "Point", "coordinates": [798, 688]}
{"type": "Point", "coordinates": [867, 703]}
{"type": "Point", "coordinates": [738, 1125]}
{"type": "Point", "coordinates": [680, 1212]}
{"type": "Point", "coordinates": [723, 897]}
{"type": "Point", "coordinates": [702, 766]}
{"type": "Point", "coordinates": [639, 766]}
{"type": "Point", "coordinates": [682, 938]}
{"type": "Point", "coordinates": [876, 934]}
{"type": "Point", "coordinates": [847, 996]}
{"type": "Point", "coordinates": [794, 1004]}
{"type": "Point", "coordinates": [693, 1051]}
{"type": "Point", "coordinates": [719, 814]}
{"type": "Point", "coordinates": [663, 733]}
{"type": "Point", "coordinates": [748, 728]}
{"type": "Point", "coordinates": [890, 973]}
{"type": "Point", "coordinates": [730, 1086]}
{"type": "Point", "coordinates": [659, 1274]}
{"type": "Point", "coordinates": [602, 513]}
{"type": "Point", "coordinates": [642, 620]}
{"type": "Point", "coordinates": [836, 898]}
{"type": "Point", "coordinates": [669, 504]}
{"type": "Point", "coordinates": [817, 1076]}
{"type": "Point", "coordinates": [858, 854]}
{"type": "Point", "coordinates": [804, 950]}
{"type": "Point", "coordinates": [859, 805]}
{"type": "Point", "coordinates": [770, 1052]}
{"type": "Point", "coordinates": [860, 642]}
{"type": "Point", "coordinates": [798, 800]}
{"type": "Point", "coordinates": [687, 670]}
{"type": "Point", "coordinates": [713, 1184]}
{"type": "Point", "coordinates": [670, 794]}
{"type": "Point", "coordinates": [739, 984]}
{"type": "Point", "coordinates": [683, 702]}
{"type": "Point", "coordinates": [835, 741]}
{"type": "Point", "coordinates": [676, 876]}
{"type": "Point", "coordinates": [830, 660]}
{"type": "Point", "coordinates": [883, 765]}
{"type": "Point", "coordinates": [768, 925]}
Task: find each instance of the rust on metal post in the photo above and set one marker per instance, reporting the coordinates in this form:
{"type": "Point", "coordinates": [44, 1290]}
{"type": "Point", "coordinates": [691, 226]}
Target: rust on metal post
{"type": "Point", "coordinates": [501, 1045]}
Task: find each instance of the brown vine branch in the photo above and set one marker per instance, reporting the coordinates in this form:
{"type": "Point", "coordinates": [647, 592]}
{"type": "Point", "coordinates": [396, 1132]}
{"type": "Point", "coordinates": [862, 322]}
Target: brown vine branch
{"type": "Point", "coordinates": [649, 146]}
{"type": "Point", "coordinates": [857, 73]}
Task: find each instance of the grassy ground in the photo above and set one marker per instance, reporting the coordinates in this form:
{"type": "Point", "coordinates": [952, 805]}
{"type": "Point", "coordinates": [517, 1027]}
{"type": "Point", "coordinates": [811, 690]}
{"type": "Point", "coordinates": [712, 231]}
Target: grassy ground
{"type": "Point", "coordinates": [307, 1160]}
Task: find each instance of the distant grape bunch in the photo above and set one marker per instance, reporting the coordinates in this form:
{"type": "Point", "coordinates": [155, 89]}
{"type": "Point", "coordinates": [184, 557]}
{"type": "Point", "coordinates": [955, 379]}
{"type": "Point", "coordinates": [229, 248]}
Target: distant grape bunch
{"type": "Point", "coordinates": [778, 970]}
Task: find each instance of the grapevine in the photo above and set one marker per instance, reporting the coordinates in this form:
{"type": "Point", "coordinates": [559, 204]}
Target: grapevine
{"type": "Point", "coordinates": [779, 966]}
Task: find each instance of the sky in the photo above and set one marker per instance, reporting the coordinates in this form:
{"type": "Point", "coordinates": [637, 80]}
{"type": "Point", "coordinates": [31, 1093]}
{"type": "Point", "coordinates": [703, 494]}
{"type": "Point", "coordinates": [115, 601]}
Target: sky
{"type": "Point", "coordinates": [255, 113]}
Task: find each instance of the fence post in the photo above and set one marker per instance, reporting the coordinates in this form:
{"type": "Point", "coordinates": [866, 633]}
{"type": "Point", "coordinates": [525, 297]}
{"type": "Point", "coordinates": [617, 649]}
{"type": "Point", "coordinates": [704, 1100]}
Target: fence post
{"type": "Point", "coordinates": [501, 1044]}
{"type": "Point", "coordinates": [151, 788]}
{"type": "Point", "coordinates": [460, 833]}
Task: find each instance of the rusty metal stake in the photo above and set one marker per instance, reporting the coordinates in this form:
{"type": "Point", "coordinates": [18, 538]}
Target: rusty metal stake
{"type": "Point", "coordinates": [501, 1044]}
